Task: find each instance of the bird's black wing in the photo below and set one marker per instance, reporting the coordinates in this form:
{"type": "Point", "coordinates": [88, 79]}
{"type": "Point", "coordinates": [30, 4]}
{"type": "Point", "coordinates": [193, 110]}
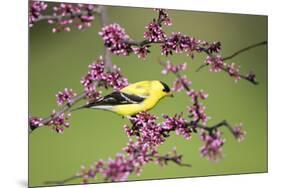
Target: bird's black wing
{"type": "Point", "coordinates": [117, 98]}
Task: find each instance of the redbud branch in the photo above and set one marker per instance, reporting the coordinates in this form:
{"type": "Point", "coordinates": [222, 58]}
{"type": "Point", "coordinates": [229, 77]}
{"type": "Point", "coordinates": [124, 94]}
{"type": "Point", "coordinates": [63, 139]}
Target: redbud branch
{"type": "Point", "coordinates": [174, 159]}
{"type": "Point", "coordinates": [104, 22]}
{"type": "Point", "coordinates": [147, 42]}
{"type": "Point", "coordinates": [69, 15]}
{"type": "Point", "coordinates": [234, 55]}
{"type": "Point", "coordinates": [64, 109]}
{"type": "Point", "coordinates": [245, 49]}
{"type": "Point", "coordinates": [61, 182]}
{"type": "Point", "coordinates": [214, 127]}
{"type": "Point", "coordinates": [166, 158]}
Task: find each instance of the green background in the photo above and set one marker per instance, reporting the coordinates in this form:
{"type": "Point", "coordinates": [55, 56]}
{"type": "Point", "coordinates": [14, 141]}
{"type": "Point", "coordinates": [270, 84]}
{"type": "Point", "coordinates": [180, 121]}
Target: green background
{"type": "Point", "coordinates": [58, 61]}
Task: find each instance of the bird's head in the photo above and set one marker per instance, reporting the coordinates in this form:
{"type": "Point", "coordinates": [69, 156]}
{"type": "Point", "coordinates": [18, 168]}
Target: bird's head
{"type": "Point", "coordinates": [162, 88]}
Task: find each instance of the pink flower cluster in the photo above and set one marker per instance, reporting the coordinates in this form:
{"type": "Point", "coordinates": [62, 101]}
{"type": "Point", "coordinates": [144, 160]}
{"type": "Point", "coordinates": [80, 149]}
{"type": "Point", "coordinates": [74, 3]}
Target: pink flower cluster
{"type": "Point", "coordinates": [117, 169]}
{"type": "Point", "coordinates": [142, 51]}
{"type": "Point", "coordinates": [35, 11]}
{"type": "Point", "coordinates": [214, 47]}
{"type": "Point", "coordinates": [163, 17]}
{"type": "Point", "coordinates": [99, 76]}
{"type": "Point", "coordinates": [233, 71]}
{"type": "Point", "coordinates": [86, 173]}
{"type": "Point", "coordinates": [149, 136]}
{"type": "Point", "coordinates": [213, 143]}
{"type": "Point", "coordinates": [66, 14]}
{"type": "Point", "coordinates": [181, 82]}
{"type": "Point", "coordinates": [180, 43]}
{"type": "Point", "coordinates": [177, 124]}
{"type": "Point", "coordinates": [251, 77]}
{"type": "Point", "coordinates": [238, 132]}
{"type": "Point", "coordinates": [115, 37]}
{"type": "Point", "coordinates": [154, 32]}
{"type": "Point", "coordinates": [197, 110]}
{"type": "Point", "coordinates": [147, 129]}
{"type": "Point", "coordinates": [170, 67]}
{"type": "Point", "coordinates": [35, 122]}
{"type": "Point", "coordinates": [216, 65]}
{"type": "Point", "coordinates": [59, 122]}
{"type": "Point", "coordinates": [65, 96]}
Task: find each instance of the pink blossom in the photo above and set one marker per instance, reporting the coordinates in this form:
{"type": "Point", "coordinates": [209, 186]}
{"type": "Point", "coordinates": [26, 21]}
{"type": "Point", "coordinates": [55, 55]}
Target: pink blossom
{"type": "Point", "coordinates": [35, 11]}
{"type": "Point", "coordinates": [181, 83]}
{"type": "Point", "coordinates": [214, 47]}
{"type": "Point", "coordinates": [99, 76]}
{"type": "Point", "coordinates": [65, 96]}
{"type": "Point", "coordinates": [81, 15]}
{"type": "Point", "coordinates": [118, 169]}
{"type": "Point", "coordinates": [238, 132]}
{"type": "Point", "coordinates": [164, 17]}
{"type": "Point", "coordinates": [140, 152]}
{"type": "Point", "coordinates": [212, 148]}
{"type": "Point", "coordinates": [216, 63]}
{"type": "Point", "coordinates": [142, 52]}
{"type": "Point", "coordinates": [59, 122]}
{"type": "Point", "coordinates": [86, 173]}
{"type": "Point", "coordinates": [115, 37]}
{"type": "Point", "coordinates": [195, 94]}
{"type": "Point", "coordinates": [170, 67]}
{"type": "Point", "coordinates": [149, 131]}
{"type": "Point", "coordinates": [197, 110]}
{"type": "Point", "coordinates": [233, 70]}
{"type": "Point", "coordinates": [115, 79]}
{"type": "Point", "coordinates": [177, 123]}
{"type": "Point", "coordinates": [180, 43]}
{"type": "Point", "coordinates": [35, 122]}
{"type": "Point", "coordinates": [154, 32]}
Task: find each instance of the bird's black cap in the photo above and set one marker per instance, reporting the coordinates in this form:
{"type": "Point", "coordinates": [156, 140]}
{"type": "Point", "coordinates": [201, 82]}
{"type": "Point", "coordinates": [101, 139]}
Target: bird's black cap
{"type": "Point", "coordinates": [166, 87]}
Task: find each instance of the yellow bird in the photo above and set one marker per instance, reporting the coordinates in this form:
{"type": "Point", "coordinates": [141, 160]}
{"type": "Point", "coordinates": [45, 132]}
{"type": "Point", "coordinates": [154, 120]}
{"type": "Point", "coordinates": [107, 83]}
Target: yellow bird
{"type": "Point", "coordinates": [135, 98]}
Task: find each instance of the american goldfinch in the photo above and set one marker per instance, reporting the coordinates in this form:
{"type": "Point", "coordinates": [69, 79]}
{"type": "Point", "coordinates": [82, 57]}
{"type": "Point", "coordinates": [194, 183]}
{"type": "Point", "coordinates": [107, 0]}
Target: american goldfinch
{"type": "Point", "coordinates": [137, 97]}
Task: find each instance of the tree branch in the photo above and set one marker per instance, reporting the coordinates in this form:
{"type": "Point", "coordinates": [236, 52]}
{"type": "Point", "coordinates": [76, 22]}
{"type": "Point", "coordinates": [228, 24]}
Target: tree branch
{"type": "Point", "coordinates": [236, 54]}
{"type": "Point", "coordinates": [64, 109]}
{"type": "Point", "coordinates": [104, 21]}
{"type": "Point", "coordinates": [175, 159]}
{"type": "Point", "coordinates": [214, 127]}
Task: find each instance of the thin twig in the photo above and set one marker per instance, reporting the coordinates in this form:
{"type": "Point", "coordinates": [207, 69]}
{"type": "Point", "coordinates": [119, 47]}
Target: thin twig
{"type": "Point", "coordinates": [186, 87]}
{"type": "Point", "coordinates": [174, 159]}
{"type": "Point", "coordinates": [244, 50]}
{"type": "Point", "coordinates": [61, 182]}
{"type": "Point", "coordinates": [214, 127]}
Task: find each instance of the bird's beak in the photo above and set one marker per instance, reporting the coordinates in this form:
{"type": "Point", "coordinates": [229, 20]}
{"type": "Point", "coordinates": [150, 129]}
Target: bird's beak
{"type": "Point", "coordinates": [170, 94]}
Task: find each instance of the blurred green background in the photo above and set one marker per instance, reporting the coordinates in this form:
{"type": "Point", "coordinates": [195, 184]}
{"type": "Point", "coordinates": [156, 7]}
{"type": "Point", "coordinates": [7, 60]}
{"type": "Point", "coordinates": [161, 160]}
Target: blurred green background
{"type": "Point", "coordinates": [58, 61]}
